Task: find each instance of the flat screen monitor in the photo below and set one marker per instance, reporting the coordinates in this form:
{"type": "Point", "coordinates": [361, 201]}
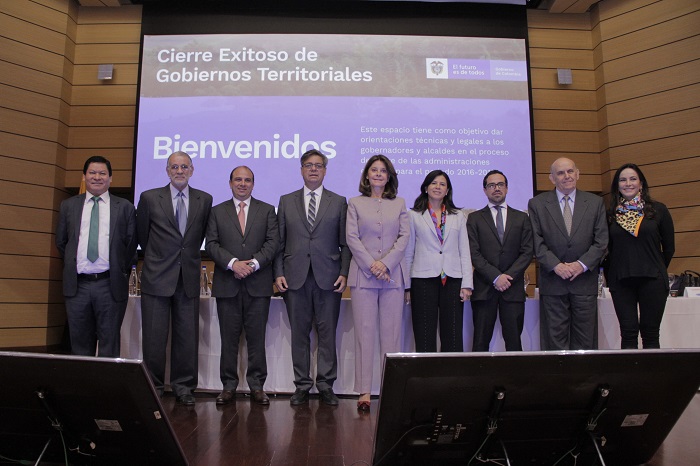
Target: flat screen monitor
{"type": "Point", "coordinates": [538, 408]}
{"type": "Point", "coordinates": [82, 411]}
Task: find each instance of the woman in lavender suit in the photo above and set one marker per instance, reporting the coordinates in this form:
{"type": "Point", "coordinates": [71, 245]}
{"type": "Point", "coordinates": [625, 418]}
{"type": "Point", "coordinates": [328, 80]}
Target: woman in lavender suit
{"type": "Point", "coordinates": [377, 235]}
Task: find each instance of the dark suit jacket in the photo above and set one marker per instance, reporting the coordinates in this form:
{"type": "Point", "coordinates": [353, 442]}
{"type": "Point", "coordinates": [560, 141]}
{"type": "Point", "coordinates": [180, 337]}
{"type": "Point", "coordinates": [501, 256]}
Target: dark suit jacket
{"type": "Point", "coordinates": [490, 258]}
{"type": "Point", "coordinates": [225, 240]}
{"type": "Point", "coordinates": [588, 241]}
{"type": "Point", "coordinates": [166, 252]}
{"type": "Point", "coordinates": [122, 243]}
{"type": "Point", "coordinates": [324, 247]}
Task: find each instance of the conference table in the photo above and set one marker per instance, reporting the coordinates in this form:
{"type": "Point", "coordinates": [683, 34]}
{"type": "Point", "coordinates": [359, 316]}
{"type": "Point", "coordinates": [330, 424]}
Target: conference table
{"type": "Point", "coordinates": [680, 328]}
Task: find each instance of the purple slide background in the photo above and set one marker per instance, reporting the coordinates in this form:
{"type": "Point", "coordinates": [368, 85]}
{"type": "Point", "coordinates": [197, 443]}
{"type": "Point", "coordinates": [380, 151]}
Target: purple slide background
{"type": "Point", "coordinates": [338, 119]}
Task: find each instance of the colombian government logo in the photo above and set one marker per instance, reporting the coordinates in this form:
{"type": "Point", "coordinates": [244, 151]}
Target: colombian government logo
{"type": "Point", "coordinates": [436, 68]}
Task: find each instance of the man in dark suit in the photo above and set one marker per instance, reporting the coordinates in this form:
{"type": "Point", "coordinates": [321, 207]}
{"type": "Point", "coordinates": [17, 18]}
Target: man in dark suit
{"type": "Point", "coordinates": [312, 269]}
{"type": "Point", "coordinates": [96, 235]}
{"type": "Point", "coordinates": [171, 223]}
{"type": "Point", "coordinates": [242, 240]}
{"type": "Point", "coordinates": [570, 237]}
{"type": "Point", "coordinates": [500, 241]}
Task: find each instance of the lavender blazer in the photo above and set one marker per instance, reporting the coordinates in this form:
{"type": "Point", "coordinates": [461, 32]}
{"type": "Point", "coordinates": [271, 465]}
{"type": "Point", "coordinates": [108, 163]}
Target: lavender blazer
{"type": "Point", "coordinates": [377, 229]}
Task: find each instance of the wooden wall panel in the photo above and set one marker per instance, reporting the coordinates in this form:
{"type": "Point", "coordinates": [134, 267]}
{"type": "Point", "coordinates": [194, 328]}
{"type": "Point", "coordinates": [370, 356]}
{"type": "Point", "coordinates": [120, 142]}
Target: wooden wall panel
{"type": "Point", "coordinates": [561, 58]}
{"type": "Point", "coordinates": [572, 120]}
{"type": "Point", "coordinates": [28, 148]}
{"type": "Point", "coordinates": [648, 61]}
{"type": "Point", "coordinates": [618, 20]}
{"type": "Point", "coordinates": [546, 78]}
{"type": "Point", "coordinates": [104, 94]}
{"type": "Point", "coordinates": [29, 172]}
{"type": "Point", "coordinates": [666, 79]}
{"type": "Point", "coordinates": [30, 337]}
{"type": "Point", "coordinates": [656, 127]}
{"type": "Point", "coordinates": [35, 68]}
{"type": "Point", "coordinates": [30, 291]}
{"type": "Point", "coordinates": [660, 103]}
{"type": "Point", "coordinates": [30, 102]}
{"type": "Point", "coordinates": [31, 34]}
{"type": "Point", "coordinates": [32, 315]}
{"type": "Point", "coordinates": [662, 32]}
{"type": "Point", "coordinates": [31, 57]}
{"type": "Point", "coordinates": [671, 148]}
{"type": "Point", "coordinates": [115, 115]}
{"type": "Point", "coordinates": [25, 219]}
{"type": "Point", "coordinates": [123, 73]}
{"type": "Point", "coordinates": [33, 267]}
{"type": "Point", "coordinates": [564, 99]}
{"type": "Point", "coordinates": [117, 33]}
{"type": "Point", "coordinates": [653, 59]}
{"type": "Point", "coordinates": [28, 243]}
{"type": "Point", "coordinates": [106, 53]}
{"type": "Point", "coordinates": [23, 194]}
{"type": "Point", "coordinates": [98, 136]}
{"type": "Point", "coordinates": [21, 77]}
{"type": "Point", "coordinates": [121, 159]}
{"type": "Point", "coordinates": [567, 141]}
{"type": "Point", "coordinates": [684, 218]}
{"type": "Point", "coordinates": [675, 197]}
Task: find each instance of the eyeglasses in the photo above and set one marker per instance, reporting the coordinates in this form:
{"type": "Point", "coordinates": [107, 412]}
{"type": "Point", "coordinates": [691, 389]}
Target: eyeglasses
{"type": "Point", "coordinates": [492, 186]}
{"type": "Point", "coordinates": [184, 167]}
{"type": "Point", "coordinates": [317, 166]}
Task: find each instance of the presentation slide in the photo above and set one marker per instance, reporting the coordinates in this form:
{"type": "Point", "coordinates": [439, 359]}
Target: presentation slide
{"type": "Point", "coordinates": [459, 104]}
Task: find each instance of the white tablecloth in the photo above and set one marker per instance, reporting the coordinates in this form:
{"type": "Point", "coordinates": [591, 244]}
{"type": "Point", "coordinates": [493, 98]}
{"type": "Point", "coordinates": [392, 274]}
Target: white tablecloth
{"type": "Point", "coordinates": [680, 329]}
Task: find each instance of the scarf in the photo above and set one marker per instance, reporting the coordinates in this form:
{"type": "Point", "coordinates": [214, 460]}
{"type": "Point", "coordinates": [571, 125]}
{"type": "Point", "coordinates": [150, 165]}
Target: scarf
{"type": "Point", "coordinates": [629, 214]}
{"type": "Point", "coordinates": [440, 230]}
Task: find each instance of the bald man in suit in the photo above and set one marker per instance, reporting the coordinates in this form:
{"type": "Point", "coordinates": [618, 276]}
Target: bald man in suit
{"type": "Point", "coordinates": [96, 287]}
{"type": "Point", "coordinates": [570, 238]}
{"type": "Point", "coordinates": [171, 223]}
{"type": "Point", "coordinates": [242, 240]}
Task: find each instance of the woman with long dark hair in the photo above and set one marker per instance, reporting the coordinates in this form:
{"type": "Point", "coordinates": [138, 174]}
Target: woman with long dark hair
{"type": "Point", "coordinates": [640, 249]}
{"type": "Point", "coordinates": [440, 266]}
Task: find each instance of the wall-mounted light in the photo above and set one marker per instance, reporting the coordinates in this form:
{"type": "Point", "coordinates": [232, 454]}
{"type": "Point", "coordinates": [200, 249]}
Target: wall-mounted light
{"type": "Point", "coordinates": [564, 76]}
{"type": "Point", "coordinates": [105, 71]}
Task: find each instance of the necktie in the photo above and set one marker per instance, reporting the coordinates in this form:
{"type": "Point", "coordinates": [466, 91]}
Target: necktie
{"type": "Point", "coordinates": [311, 216]}
{"type": "Point", "coordinates": [94, 233]}
{"type": "Point", "coordinates": [241, 216]}
{"type": "Point", "coordinates": [499, 222]}
{"type": "Point", "coordinates": [568, 217]}
{"type": "Point", "coordinates": [181, 213]}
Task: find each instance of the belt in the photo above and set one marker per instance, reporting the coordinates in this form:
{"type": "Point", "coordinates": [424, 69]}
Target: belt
{"type": "Point", "coordinates": [93, 277]}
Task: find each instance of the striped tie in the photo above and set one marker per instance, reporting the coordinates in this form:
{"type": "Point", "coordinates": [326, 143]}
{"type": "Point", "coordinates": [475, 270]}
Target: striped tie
{"type": "Point", "coordinates": [311, 216]}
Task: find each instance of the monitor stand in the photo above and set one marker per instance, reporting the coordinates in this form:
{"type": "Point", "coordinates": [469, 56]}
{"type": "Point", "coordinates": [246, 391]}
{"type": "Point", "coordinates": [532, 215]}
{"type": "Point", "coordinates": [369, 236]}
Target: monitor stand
{"type": "Point", "coordinates": [55, 423]}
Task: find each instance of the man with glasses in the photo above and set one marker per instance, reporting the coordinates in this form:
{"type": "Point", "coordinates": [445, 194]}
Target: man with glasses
{"type": "Point", "coordinates": [500, 241]}
{"type": "Point", "coordinates": [171, 223]}
{"type": "Point", "coordinates": [311, 270]}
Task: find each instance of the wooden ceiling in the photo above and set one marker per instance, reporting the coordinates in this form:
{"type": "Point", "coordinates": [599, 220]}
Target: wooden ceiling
{"type": "Point", "coordinates": [553, 6]}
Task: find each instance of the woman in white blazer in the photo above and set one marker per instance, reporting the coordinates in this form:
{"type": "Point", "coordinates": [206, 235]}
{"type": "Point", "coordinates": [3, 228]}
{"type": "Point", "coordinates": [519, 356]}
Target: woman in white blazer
{"type": "Point", "coordinates": [440, 266]}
